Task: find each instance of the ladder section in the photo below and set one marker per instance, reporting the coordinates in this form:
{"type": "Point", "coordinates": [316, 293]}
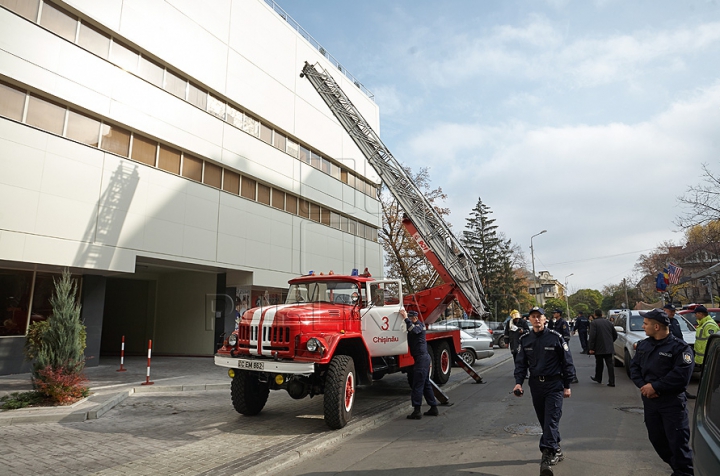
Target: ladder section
{"type": "Point", "coordinates": [433, 230]}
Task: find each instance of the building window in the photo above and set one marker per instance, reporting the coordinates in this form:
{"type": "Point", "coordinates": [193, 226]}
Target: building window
{"type": "Point", "coordinates": [292, 148]}
{"type": "Point", "coordinates": [263, 194]}
{"type": "Point", "coordinates": [335, 220]}
{"type": "Point", "coordinates": [212, 175]}
{"type": "Point", "coordinates": [352, 227]}
{"type": "Point", "coordinates": [124, 57]}
{"type": "Point", "coordinates": [231, 182]}
{"type": "Point", "coordinates": [192, 168]}
{"type": "Point", "coordinates": [235, 117]}
{"type": "Point", "coordinates": [314, 212]}
{"type": "Point", "coordinates": [325, 217]}
{"type": "Point", "coordinates": [15, 290]}
{"type": "Point", "coordinates": [94, 40]}
{"type": "Point", "coordinates": [115, 140]}
{"type": "Point", "coordinates": [315, 160]}
{"type": "Point", "coordinates": [248, 188]}
{"type": "Point", "coordinates": [335, 171]}
{"type": "Point", "coordinates": [83, 129]}
{"type": "Point", "coordinates": [279, 141]}
{"type": "Point", "coordinates": [344, 224]}
{"type": "Point", "coordinates": [216, 107]}
{"type": "Point", "coordinates": [12, 102]}
{"type": "Point", "coordinates": [304, 155]}
{"type": "Point", "coordinates": [169, 160]}
{"type": "Point", "coordinates": [25, 8]}
{"type": "Point", "coordinates": [265, 133]}
{"type": "Point", "coordinates": [175, 85]}
{"type": "Point", "coordinates": [278, 199]}
{"type": "Point", "coordinates": [151, 72]}
{"type": "Point", "coordinates": [251, 126]}
{"type": "Point", "coordinates": [144, 150]}
{"type": "Point", "coordinates": [197, 96]}
{"type": "Point", "coordinates": [58, 21]}
{"type": "Point", "coordinates": [304, 210]}
{"type": "Point", "coordinates": [45, 115]}
{"type": "Point", "coordinates": [291, 204]}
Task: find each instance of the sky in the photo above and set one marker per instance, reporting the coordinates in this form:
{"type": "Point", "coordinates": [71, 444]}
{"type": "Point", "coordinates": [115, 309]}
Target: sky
{"type": "Point", "coordinates": [587, 119]}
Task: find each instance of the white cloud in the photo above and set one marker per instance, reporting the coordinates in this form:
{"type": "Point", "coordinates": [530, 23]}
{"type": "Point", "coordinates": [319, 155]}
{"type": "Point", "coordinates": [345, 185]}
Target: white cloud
{"type": "Point", "coordinates": [601, 190]}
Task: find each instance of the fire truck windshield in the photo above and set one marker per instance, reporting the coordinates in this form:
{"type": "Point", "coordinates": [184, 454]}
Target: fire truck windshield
{"type": "Point", "coordinates": [334, 292]}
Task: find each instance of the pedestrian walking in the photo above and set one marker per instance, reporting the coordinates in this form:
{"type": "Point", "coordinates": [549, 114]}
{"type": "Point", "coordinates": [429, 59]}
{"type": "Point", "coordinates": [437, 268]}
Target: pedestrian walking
{"type": "Point", "coordinates": [559, 325]}
{"type": "Point", "coordinates": [602, 336]}
{"type": "Point", "coordinates": [514, 329]}
{"type": "Point", "coordinates": [421, 369]}
{"type": "Point", "coordinates": [546, 355]}
{"type": "Point", "coordinates": [674, 324]}
{"type": "Point", "coordinates": [582, 324]}
{"type": "Point", "coordinates": [661, 369]}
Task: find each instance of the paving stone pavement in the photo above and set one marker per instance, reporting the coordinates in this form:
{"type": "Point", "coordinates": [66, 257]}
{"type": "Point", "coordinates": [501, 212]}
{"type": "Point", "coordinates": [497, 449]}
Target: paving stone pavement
{"type": "Point", "coordinates": [189, 432]}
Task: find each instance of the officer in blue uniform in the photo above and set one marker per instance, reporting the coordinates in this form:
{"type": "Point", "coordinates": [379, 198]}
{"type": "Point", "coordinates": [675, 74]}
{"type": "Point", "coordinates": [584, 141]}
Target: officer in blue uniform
{"type": "Point", "coordinates": [582, 324]}
{"type": "Point", "coordinates": [421, 369]}
{"type": "Point", "coordinates": [661, 369]}
{"type": "Point", "coordinates": [559, 325]}
{"type": "Point", "coordinates": [546, 354]}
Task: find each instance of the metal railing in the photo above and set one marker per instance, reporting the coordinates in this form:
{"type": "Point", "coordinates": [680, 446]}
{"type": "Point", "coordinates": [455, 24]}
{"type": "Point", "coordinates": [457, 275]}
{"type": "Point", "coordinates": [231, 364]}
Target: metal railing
{"type": "Point", "coordinates": [283, 14]}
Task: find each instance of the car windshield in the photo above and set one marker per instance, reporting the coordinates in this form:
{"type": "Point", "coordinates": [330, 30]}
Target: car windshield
{"type": "Point", "coordinates": [336, 292]}
{"type": "Point", "coordinates": [636, 322]}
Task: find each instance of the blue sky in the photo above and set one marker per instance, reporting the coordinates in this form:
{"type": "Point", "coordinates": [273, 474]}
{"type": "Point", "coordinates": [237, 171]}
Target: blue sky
{"type": "Point", "coordinates": [585, 118]}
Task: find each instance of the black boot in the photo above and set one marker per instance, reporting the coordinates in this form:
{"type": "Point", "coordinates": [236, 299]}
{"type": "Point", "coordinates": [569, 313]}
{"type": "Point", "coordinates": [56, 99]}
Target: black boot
{"type": "Point", "coordinates": [415, 415]}
{"type": "Point", "coordinates": [545, 466]}
{"type": "Point", "coordinates": [432, 412]}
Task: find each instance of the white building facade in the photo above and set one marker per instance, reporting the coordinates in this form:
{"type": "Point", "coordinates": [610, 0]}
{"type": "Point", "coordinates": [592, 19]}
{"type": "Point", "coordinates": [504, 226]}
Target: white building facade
{"type": "Point", "coordinates": [168, 153]}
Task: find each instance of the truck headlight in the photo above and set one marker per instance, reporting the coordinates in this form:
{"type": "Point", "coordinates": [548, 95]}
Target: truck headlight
{"type": "Point", "coordinates": [313, 344]}
{"type": "Point", "coordinates": [232, 340]}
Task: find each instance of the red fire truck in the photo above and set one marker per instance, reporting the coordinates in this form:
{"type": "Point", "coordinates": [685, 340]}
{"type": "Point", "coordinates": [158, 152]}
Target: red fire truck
{"type": "Point", "coordinates": [335, 332]}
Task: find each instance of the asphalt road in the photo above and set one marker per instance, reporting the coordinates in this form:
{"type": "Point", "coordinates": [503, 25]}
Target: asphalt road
{"type": "Point", "coordinates": [602, 429]}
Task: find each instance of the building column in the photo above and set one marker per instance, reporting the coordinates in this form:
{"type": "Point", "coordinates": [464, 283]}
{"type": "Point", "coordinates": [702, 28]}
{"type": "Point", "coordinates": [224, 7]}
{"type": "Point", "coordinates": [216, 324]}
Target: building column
{"type": "Point", "coordinates": [93, 304]}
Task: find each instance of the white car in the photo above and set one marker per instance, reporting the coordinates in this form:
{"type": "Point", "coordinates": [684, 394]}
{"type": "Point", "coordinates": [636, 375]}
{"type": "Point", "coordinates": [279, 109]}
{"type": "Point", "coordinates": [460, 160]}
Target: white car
{"type": "Point", "coordinates": [629, 326]}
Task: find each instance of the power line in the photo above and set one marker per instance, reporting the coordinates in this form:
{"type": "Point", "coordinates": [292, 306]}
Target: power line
{"type": "Point", "coordinates": [600, 257]}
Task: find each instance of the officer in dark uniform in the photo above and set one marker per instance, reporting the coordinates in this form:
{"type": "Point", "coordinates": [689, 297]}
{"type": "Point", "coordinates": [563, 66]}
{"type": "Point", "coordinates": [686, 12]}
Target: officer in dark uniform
{"type": "Point", "coordinates": [674, 324]}
{"type": "Point", "coordinates": [661, 369]}
{"type": "Point", "coordinates": [421, 369]}
{"type": "Point", "coordinates": [559, 325]}
{"type": "Point", "coordinates": [546, 354]}
{"type": "Point", "coordinates": [582, 324]}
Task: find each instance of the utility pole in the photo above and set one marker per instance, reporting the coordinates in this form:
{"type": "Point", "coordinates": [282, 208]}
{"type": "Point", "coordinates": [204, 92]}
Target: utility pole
{"type": "Point", "coordinates": [627, 301]}
{"type": "Point", "coordinates": [567, 296]}
{"type": "Point", "coordinates": [532, 254]}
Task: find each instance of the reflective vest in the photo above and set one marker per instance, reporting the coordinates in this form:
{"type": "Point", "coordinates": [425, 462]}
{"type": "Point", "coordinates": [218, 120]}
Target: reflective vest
{"type": "Point", "coordinates": [705, 328]}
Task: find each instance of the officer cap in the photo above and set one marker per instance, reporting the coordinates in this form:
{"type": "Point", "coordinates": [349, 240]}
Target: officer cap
{"type": "Point", "coordinates": [702, 309]}
{"type": "Point", "coordinates": [412, 313]}
{"type": "Point", "coordinates": [669, 307]}
{"type": "Point", "coordinates": [656, 315]}
{"type": "Point", "coordinates": [536, 309]}
{"type": "Point", "coordinates": [559, 311]}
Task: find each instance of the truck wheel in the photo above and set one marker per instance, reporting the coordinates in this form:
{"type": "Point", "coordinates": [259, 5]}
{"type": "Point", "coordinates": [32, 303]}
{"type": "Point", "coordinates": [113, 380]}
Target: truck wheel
{"type": "Point", "coordinates": [442, 363]}
{"type": "Point", "coordinates": [627, 362]}
{"type": "Point", "coordinates": [339, 391]}
{"type": "Point", "coordinates": [249, 395]}
{"type": "Point", "coordinates": [468, 357]}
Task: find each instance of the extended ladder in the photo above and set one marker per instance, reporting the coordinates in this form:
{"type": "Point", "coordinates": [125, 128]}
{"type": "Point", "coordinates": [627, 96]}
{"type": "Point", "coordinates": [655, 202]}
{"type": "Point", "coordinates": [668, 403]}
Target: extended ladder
{"type": "Point", "coordinates": [431, 227]}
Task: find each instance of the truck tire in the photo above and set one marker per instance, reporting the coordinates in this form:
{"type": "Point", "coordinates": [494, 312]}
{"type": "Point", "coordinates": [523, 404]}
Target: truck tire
{"type": "Point", "coordinates": [249, 394]}
{"type": "Point", "coordinates": [339, 391]}
{"type": "Point", "coordinates": [442, 364]}
{"type": "Point", "coordinates": [468, 357]}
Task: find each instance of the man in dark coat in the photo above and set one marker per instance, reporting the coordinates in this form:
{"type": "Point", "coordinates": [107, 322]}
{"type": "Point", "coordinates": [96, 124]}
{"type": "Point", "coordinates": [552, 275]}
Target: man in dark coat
{"type": "Point", "coordinates": [582, 324]}
{"type": "Point", "coordinates": [602, 336]}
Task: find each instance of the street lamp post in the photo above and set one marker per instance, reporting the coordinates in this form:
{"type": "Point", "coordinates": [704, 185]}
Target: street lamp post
{"type": "Point", "coordinates": [532, 254]}
{"type": "Point", "coordinates": [567, 296]}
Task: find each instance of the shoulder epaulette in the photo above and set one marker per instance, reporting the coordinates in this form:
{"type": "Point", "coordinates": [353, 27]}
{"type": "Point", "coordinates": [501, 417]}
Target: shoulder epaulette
{"type": "Point", "coordinates": [556, 333]}
{"type": "Point", "coordinates": [525, 334]}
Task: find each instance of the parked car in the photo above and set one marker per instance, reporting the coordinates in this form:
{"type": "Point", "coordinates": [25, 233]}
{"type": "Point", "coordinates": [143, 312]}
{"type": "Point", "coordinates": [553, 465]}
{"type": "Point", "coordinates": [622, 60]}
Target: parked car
{"type": "Point", "coordinates": [475, 346]}
{"type": "Point", "coordinates": [688, 330]}
{"type": "Point", "coordinates": [706, 417]}
{"type": "Point", "coordinates": [472, 326]}
{"type": "Point", "coordinates": [628, 324]}
{"type": "Point", "coordinates": [498, 333]}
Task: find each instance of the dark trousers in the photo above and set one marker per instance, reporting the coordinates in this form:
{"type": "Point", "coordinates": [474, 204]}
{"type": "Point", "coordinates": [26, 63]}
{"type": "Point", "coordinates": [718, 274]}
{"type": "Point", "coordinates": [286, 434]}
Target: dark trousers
{"type": "Point", "coordinates": [608, 359]}
{"type": "Point", "coordinates": [583, 339]}
{"type": "Point", "coordinates": [421, 382]}
{"type": "Point", "coordinates": [669, 432]}
{"type": "Point", "coordinates": [547, 398]}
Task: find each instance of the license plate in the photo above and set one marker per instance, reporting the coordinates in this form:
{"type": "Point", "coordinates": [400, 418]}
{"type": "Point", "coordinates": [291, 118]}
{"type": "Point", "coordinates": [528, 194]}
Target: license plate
{"type": "Point", "coordinates": [251, 365]}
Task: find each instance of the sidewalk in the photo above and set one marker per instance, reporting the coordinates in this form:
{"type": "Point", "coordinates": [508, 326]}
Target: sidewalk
{"type": "Point", "coordinates": [108, 387]}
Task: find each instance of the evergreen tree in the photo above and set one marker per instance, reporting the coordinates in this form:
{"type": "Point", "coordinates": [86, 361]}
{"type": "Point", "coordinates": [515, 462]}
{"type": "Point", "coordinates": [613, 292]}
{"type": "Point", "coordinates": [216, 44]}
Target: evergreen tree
{"type": "Point", "coordinates": [62, 342]}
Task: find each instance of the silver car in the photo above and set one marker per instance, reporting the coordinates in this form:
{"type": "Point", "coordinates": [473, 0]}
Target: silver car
{"type": "Point", "coordinates": [475, 346]}
{"type": "Point", "coordinates": [629, 326]}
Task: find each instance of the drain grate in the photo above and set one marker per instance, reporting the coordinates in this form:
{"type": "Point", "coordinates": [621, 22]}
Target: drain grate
{"type": "Point", "coordinates": [638, 410]}
{"type": "Point", "coordinates": [524, 429]}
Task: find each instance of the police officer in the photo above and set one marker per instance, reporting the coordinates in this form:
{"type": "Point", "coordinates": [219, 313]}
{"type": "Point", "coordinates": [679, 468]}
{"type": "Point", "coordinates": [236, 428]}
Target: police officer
{"type": "Point", "coordinates": [421, 370]}
{"type": "Point", "coordinates": [546, 354]}
{"type": "Point", "coordinates": [661, 369]}
{"type": "Point", "coordinates": [582, 324]}
{"type": "Point", "coordinates": [674, 324]}
{"type": "Point", "coordinates": [559, 325]}
{"type": "Point", "coordinates": [706, 327]}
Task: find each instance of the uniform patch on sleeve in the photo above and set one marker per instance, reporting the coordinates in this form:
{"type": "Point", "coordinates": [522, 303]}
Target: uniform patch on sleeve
{"type": "Point", "coordinates": [565, 346]}
{"type": "Point", "coordinates": [687, 357]}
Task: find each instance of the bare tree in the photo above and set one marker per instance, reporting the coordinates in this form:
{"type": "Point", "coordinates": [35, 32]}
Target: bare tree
{"type": "Point", "coordinates": [701, 201]}
{"type": "Point", "coordinates": [403, 257]}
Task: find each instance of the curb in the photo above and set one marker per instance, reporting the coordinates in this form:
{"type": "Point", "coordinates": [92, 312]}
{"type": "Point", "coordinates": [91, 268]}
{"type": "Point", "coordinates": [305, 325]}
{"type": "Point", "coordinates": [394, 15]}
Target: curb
{"type": "Point", "coordinates": [319, 445]}
{"type": "Point", "coordinates": [43, 415]}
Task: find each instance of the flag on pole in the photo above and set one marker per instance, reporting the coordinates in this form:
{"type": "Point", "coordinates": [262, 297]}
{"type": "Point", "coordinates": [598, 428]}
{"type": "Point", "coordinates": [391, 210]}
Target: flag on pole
{"type": "Point", "coordinates": [660, 283]}
{"type": "Point", "coordinates": [674, 273]}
